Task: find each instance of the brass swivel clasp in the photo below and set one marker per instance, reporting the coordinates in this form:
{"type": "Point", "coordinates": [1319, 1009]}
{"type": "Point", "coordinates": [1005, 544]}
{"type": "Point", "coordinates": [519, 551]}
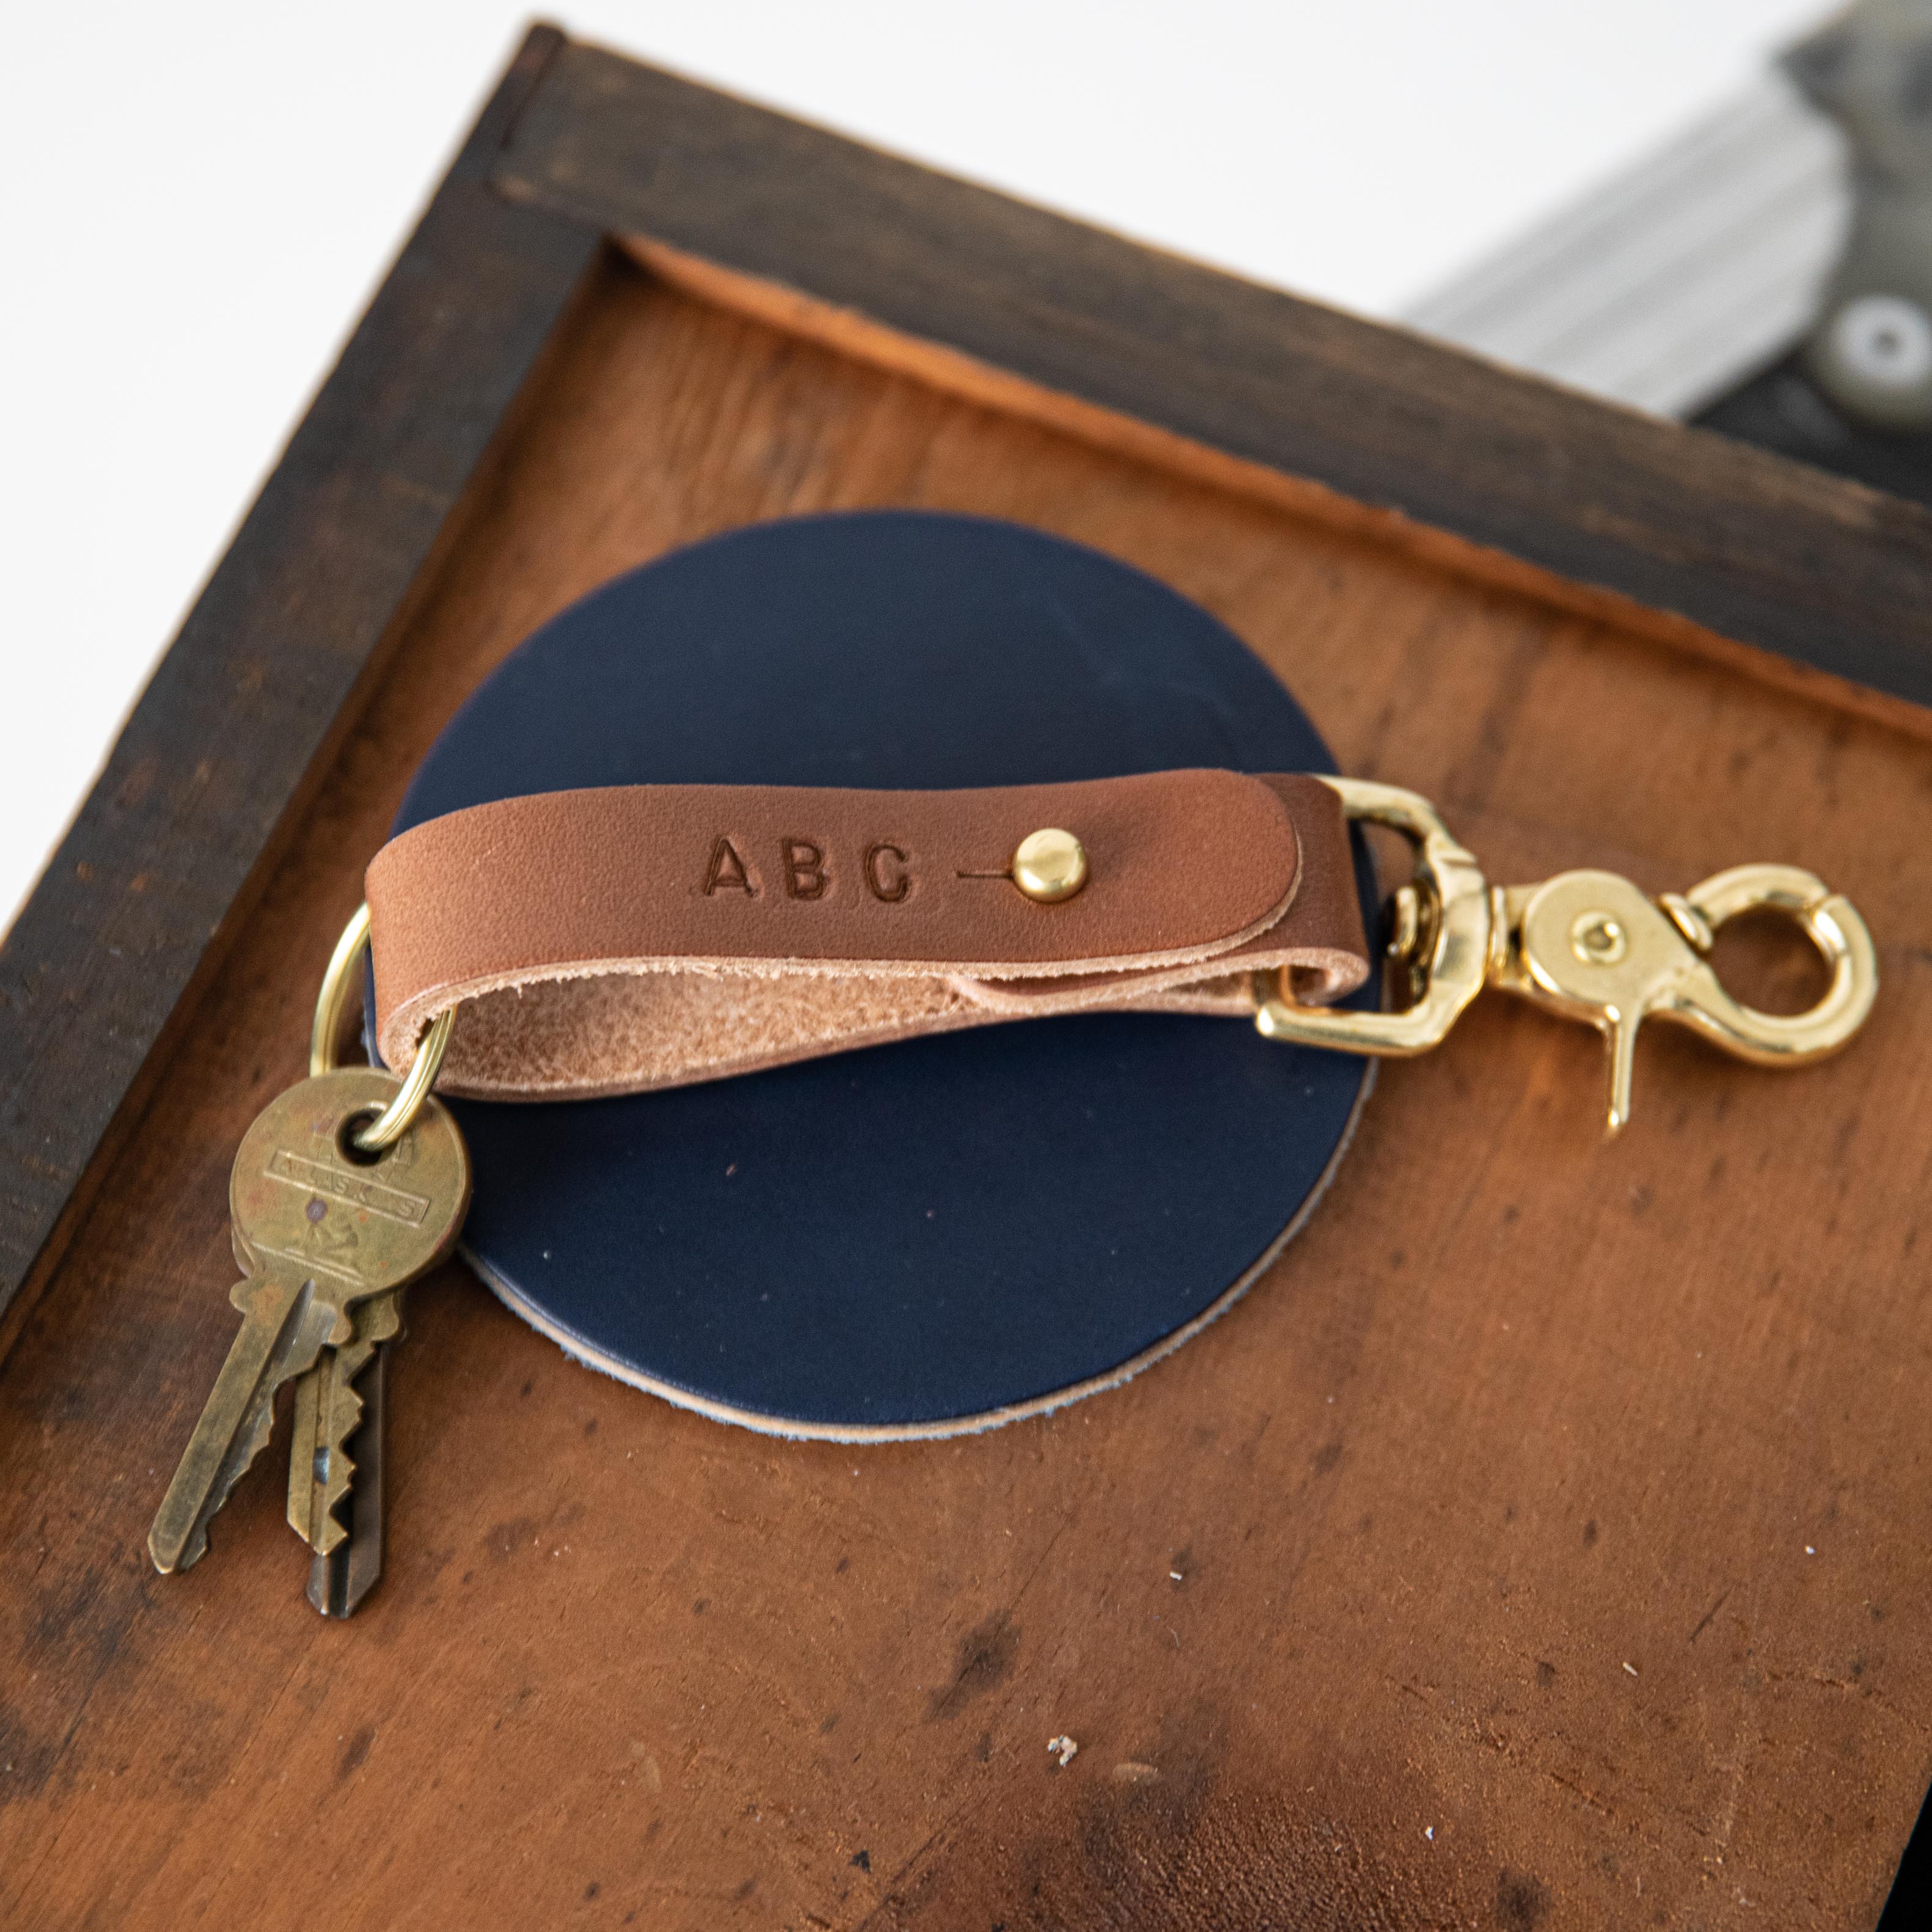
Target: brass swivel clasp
{"type": "Point", "coordinates": [1589, 945]}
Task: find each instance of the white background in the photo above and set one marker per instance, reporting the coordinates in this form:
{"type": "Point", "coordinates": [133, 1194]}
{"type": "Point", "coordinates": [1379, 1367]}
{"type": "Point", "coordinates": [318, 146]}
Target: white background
{"type": "Point", "coordinates": [199, 198]}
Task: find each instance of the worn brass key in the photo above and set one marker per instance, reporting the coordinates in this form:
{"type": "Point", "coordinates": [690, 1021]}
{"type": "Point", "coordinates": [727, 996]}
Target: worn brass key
{"type": "Point", "coordinates": [338, 1582]}
{"type": "Point", "coordinates": [328, 1411]}
{"type": "Point", "coordinates": [321, 1229]}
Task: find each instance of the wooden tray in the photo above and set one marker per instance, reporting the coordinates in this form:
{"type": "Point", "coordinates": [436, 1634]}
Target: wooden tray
{"type": "Point", "coordinates": [1541, 1544]}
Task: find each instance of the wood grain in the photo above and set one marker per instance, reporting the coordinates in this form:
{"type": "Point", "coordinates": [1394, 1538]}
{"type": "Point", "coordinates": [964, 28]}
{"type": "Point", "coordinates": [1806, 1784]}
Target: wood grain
{"type": "Point", "coordinates": [1540, 1545]}
{"type": "Point", "coordinates": [1744, 544]}
{"type": "Point", "coordinates": [853, 334]}
{"type": "Point", "coordinates": [162, 863]}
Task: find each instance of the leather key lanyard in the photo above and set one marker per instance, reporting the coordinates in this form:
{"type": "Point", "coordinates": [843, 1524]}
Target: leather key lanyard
{"type": "Point", "coordinates": [615, 940]}
{"type": "Point", "coordinates": [621, 939]}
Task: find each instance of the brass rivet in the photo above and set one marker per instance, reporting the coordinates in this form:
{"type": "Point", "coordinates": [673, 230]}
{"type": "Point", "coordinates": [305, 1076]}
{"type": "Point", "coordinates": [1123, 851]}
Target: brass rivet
{"type": "Point", "coordinates": [1598, 940]}
{"type": "Point", "coordinates": [1050, 864]}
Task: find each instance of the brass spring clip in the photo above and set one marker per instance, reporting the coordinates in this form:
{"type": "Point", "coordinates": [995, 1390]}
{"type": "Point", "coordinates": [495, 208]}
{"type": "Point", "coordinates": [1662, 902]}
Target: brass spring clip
{"type": "Point", "coordinates": [1589, 945]}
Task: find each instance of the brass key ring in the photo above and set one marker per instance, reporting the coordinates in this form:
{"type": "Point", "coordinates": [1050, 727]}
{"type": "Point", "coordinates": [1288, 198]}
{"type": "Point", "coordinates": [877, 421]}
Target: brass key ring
{"type": "Point", "coordinates": [340, 981]}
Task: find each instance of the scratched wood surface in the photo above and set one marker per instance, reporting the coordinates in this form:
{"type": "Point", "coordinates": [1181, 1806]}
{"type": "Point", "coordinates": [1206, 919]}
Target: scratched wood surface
{"type": "Point", "coordinates": [1541, 1544]}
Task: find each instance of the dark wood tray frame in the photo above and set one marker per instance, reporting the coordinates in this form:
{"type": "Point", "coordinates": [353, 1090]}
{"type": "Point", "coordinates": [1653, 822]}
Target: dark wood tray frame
{"type": "Point", "coordinates": [1784, 572]}
{"type": "Point", "coordinates": [1723, 545]}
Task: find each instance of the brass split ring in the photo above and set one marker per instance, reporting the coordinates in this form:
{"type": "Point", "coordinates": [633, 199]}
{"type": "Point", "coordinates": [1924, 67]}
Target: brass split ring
{"type": "Point", "coordinates": [340, 981]}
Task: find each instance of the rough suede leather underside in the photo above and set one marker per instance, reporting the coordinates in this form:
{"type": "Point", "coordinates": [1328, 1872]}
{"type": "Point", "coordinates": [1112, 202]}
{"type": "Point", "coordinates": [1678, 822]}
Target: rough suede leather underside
{"type": "Point", "coordinates": [625, 938]}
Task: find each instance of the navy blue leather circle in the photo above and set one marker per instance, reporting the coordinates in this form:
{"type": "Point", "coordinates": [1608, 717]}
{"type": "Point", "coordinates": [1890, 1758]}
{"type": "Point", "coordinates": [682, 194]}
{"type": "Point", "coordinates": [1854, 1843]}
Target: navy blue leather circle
{"type": "Point", "coordinates": [933, 1235]}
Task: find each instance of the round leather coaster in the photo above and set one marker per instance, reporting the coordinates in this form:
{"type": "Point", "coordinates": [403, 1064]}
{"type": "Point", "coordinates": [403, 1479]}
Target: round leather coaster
{"type": "Point", "coordinates": [939, 1235]}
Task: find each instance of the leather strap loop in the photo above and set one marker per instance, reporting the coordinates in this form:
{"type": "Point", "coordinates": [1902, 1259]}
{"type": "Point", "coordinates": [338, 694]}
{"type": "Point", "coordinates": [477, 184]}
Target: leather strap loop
{"type": "Point", "coordinates": [628, 938]}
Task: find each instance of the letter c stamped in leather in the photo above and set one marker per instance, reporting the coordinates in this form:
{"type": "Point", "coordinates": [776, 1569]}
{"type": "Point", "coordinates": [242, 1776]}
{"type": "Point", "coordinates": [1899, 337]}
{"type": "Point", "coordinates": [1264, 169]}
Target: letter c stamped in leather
{"type": "Point", "coordinates": [888, 870]}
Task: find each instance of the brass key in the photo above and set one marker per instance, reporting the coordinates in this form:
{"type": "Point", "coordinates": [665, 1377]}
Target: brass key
{"type": "Point", "coordinates": [338, 1582]}
{"type": "Point", "coordinates": [320, 1230]}
{"type": "Point", "coordinates": [328, 1411]}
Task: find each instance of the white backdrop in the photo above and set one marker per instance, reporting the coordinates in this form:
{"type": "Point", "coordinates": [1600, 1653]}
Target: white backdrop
{"type": "Point", "coordinates": [199, 197]}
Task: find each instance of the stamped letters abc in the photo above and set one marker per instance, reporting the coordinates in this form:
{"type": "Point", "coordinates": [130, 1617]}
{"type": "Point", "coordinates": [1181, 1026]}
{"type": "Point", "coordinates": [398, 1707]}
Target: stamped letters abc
{"type": "Point", "coordinates": [804, 872]}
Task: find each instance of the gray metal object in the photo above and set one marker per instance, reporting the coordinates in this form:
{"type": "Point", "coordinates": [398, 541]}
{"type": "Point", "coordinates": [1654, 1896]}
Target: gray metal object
{"type": "Point", "coordinates": [1674, 283]}
{"type": "Point", "coordinates": [1871, 350]}
{"type": "Point", "coordinates": [1797, 218]}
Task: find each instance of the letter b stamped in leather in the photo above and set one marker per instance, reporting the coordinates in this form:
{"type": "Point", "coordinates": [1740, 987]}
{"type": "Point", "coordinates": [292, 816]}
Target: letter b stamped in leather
{"type": "Point", "coordinates": [805, 875]}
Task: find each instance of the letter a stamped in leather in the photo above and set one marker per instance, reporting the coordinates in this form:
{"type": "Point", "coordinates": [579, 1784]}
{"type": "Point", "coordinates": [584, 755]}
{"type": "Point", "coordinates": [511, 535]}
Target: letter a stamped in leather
{"type": "Point", "coordinates": [727, 872]}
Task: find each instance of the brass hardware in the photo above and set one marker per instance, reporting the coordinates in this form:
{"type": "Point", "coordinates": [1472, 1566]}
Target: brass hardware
{"type": "Point", "coordinates": [1050, 864]}
{"type": "Point", "coordinates": [1445, 960]}
{"type": "Point", "coordinates": [341, 983]}
{"type": "Point", "coordinates": [341, 980]}
{"type": "Point", "coordinates": [1597, 940]}
{"type": "Point", "coordinates": [1405, 923]}
{"type": "Point", "coordinates": [1589, 945]}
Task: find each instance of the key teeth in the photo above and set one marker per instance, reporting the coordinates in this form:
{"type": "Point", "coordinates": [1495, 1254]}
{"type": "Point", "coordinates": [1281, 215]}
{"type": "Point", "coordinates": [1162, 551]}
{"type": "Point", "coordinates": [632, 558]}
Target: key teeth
{"type": "Point", "coordinates": [345, 1418]}
{"type": "Point", "coordinates": [195, 1547]}
{"type": "Point", "coordinates": [340, 1580]}
{"type": "Point", "coordinates": [380, 1322]}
